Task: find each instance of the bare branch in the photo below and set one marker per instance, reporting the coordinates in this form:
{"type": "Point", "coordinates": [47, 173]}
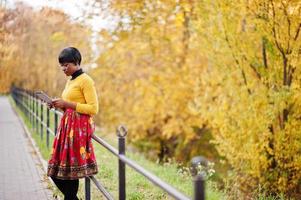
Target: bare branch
{"type": "Point", "coordinates": [284, 57]}
{"type": "Point", "coordinates": [288, 27]}
{"type": "Point", "coordinates": [297, 32]}
{"type": "Point", "coordinates": [264, 54]}
{"type": "Point", "coordinates": [274, 27]}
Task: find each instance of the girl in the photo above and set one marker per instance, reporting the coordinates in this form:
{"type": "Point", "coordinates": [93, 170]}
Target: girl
{"type": "Point", "coordinates": [72, 154]}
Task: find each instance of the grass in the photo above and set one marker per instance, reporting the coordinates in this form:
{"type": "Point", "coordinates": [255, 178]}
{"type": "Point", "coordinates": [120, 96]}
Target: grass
{"type": "Point", "coordinates": [137, 186]}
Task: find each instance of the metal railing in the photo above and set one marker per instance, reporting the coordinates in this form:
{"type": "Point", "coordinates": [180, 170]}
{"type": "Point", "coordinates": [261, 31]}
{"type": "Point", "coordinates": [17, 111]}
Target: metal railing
{"type": "Point", "coordinates": [33, 108]}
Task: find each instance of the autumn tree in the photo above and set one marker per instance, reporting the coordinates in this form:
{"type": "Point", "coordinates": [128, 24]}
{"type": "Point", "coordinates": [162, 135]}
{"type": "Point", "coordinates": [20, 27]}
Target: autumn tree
{"type": "Point", "coordinates": [37, 38]}
{"type": "Point", "coordinates": [146, 78]}
{"type": "Point", "coordinates": [175, 71]}
{"type": "Point", "coordinates": [251, 95]}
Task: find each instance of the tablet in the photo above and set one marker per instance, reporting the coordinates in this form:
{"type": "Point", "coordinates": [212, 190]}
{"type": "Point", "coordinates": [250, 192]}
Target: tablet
{"type": "Point", "coordinates": [44, 97]}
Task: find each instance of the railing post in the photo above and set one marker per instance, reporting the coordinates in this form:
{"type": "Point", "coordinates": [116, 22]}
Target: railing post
{"type": "Point", "coordinates": [47, 129]}
{"type": "Point", "coordinates": [55, 122]}
{"type": "Point", "coordinates": [198, 178]}
{"type": "Point", "coordinates": [199, 187]}
{"type": "Point", "coordinates": [26, 104]}
{"type": "Point", "coordinates": [87, 188]}
{"type": "Point", "coordinates": [121, 133]}
{"type": "Point", "coordinates": [22, 100]}
{"type": "Point", "coordinates": [33, 112]}
{"type": "Point", "coordinates": [30, 109]}
{"type": "Point", "coordinates": [16, 97]}
{"type": "Point", "coordinates": [41, 117]}
{"type": "Point", "coordinates": [37, 115]}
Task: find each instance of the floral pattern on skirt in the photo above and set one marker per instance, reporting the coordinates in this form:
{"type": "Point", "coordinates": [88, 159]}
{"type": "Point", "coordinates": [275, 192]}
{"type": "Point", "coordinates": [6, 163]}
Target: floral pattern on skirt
{"type": "Point", "coordinates": [72, 154]}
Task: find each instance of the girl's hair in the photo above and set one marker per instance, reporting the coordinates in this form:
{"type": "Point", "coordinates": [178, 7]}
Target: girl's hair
{"type": "Point", "coordinates": [70, 55]}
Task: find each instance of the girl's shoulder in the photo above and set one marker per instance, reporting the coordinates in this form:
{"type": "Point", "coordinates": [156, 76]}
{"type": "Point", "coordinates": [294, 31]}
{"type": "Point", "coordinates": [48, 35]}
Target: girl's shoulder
{"type": "Point", "coordinates": [86, 79]}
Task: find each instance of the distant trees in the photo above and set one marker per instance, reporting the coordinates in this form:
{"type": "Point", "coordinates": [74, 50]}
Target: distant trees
{"type": "Point", "coordinates": [31, 41]}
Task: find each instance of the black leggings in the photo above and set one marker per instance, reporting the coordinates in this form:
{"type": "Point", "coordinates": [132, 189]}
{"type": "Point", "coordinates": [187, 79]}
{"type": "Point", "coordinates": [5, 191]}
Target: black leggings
{"type": "Point", "coordinates": [68, 187]}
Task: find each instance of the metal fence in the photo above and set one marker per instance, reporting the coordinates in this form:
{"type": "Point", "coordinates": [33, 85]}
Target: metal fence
{"type": "Point", "coordinates": [35, 110]}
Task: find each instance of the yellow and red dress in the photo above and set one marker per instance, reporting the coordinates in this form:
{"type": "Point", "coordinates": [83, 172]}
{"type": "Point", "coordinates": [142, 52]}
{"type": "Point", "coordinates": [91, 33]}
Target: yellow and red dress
{"type": "Point", "coordinates": [73, 153]}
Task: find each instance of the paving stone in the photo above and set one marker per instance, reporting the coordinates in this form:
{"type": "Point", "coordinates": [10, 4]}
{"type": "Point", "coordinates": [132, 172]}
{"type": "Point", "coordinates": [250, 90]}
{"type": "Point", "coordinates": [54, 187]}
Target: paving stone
{"type": "Point", "coordinates": [20, 170]}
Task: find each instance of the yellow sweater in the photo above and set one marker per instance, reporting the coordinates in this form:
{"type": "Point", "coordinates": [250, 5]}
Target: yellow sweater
{"type": "Point", "coordinates": [82, 91]}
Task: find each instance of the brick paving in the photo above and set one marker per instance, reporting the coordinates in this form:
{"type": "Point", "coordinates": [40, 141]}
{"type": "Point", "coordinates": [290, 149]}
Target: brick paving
{"type": "Point", "coordinates": [21, 174]}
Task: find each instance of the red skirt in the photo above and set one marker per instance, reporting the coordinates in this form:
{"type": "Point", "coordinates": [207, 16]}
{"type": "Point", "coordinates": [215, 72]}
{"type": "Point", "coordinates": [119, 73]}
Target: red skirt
{"type": "Point", "coordinates": [72, 154]}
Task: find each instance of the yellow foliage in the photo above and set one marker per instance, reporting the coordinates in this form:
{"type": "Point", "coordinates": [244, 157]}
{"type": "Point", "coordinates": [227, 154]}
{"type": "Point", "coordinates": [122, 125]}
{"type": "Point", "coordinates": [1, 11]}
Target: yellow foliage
{"type": "Point", "coordinates": [58, 37]}
{"type": "Point", "coordinates": [216, 78]}
{"type": "Point", "coordinates": [253, 105]}
{"type": "Point", "coordinates": [189, 69]}
{"type": "Point", "coordinates": [31, 43]}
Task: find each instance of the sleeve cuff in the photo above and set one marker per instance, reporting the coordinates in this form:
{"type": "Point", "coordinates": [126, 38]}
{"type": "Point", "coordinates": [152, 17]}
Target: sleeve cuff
{"type": "Point", "coordinates": [76, 107]}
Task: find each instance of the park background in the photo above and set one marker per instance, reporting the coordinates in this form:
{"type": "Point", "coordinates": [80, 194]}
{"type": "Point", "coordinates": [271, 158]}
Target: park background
{"type": "Point", "coordinates": [219, 79]}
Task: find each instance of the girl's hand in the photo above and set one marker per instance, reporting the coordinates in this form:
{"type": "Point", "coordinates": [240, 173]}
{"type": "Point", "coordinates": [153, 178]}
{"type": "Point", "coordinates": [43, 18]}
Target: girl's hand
{"type": "Point", "coordinates": [59, 103]}
{"type": "Point", "coordinates": [49, 105]}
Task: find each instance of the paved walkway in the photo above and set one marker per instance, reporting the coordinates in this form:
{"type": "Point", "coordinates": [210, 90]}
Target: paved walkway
{"type": "Point", "coordinates": [21, 174]}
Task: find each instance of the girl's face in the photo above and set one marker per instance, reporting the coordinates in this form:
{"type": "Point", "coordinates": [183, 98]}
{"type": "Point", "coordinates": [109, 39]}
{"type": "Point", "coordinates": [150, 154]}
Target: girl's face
{"type": "Point", "coordinates": [68, 68]}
